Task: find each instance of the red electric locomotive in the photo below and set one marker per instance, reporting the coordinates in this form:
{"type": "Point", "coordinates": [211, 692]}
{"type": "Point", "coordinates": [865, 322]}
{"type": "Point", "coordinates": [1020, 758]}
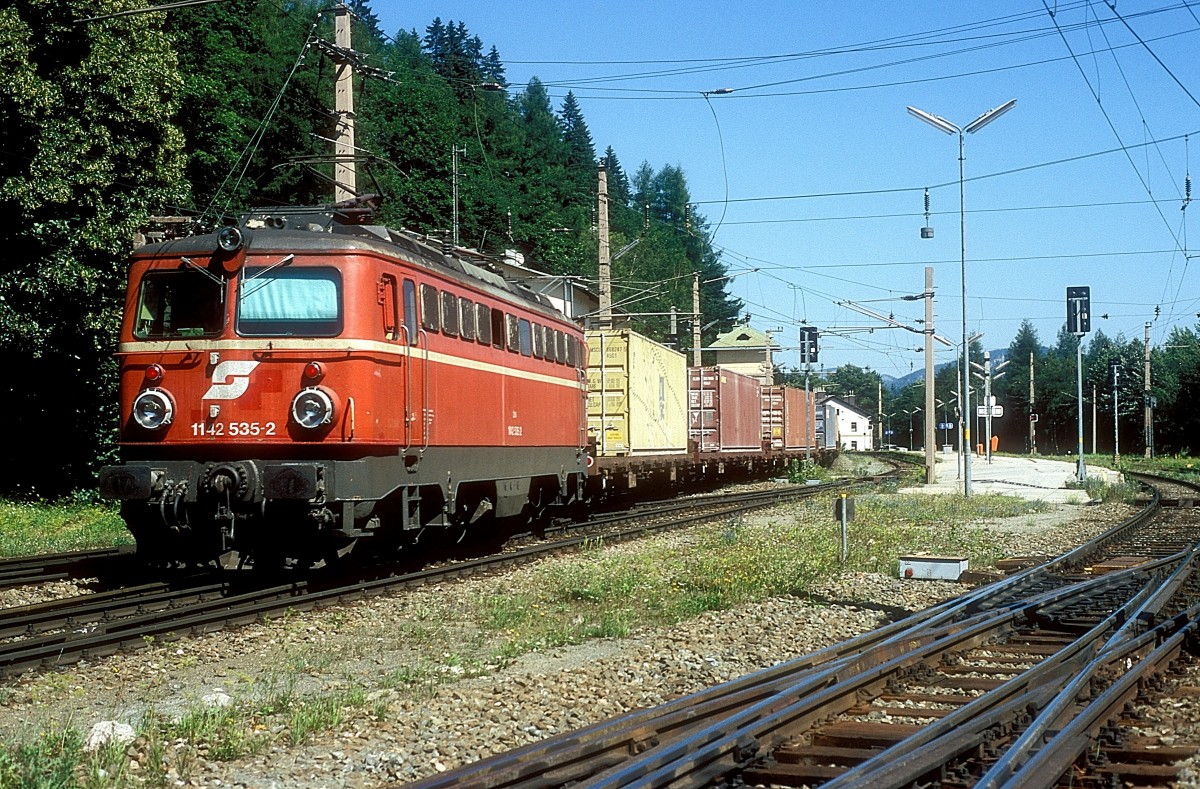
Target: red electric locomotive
{"type": "Point", "coordinates": [305, 380]}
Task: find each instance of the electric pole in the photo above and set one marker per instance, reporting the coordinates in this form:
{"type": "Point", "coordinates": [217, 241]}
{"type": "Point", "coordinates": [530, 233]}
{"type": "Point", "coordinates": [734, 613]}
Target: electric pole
{"type": "Point", "coordinates": [454, 152]}
{"type": "Point", "coordinates": [930, 425]}
{"type": "Point", "coordinates": [1116, 418]}
{"type": "Point", "coordinates": [344, 172]}
{"type": "Point", "coordinates": [1032, 413]}
{"type": "Point", "coordinates": [605, 317]}
{"type": "Point", "coordinates": [1146, 402]}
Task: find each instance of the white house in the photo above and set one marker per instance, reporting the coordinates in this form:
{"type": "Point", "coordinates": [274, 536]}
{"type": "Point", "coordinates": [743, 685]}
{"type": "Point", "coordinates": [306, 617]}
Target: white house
{"type": "Point", "coordinates": [853, 425]}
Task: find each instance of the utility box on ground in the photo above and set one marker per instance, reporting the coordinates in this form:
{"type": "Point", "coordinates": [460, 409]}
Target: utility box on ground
{"type": "Point", "coordinates": [933, 568]}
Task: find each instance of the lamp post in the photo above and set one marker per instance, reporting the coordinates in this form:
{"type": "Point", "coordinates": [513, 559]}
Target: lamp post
{"type": "Point", "coordinates": [946, 126]}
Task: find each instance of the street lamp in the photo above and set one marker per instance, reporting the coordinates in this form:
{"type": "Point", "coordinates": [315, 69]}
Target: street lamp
{"type": "Point", "coordinates": [910, 426]}
{"type": "Point", "coordinates": [946, 126]}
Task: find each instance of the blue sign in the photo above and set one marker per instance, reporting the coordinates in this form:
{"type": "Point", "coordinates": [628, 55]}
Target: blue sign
{"type": "Point", "coordinates": [945, 425]}
{"type": "Point", "coordinates": [887, 432]}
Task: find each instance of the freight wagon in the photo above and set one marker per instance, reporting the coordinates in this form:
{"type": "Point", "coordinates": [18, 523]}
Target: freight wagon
{"type": "Point", "coordinates": [652, 421]}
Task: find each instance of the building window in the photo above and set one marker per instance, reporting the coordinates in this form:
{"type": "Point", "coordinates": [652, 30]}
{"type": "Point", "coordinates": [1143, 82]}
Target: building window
{"type": "Point", "coordinates": [854, 427]}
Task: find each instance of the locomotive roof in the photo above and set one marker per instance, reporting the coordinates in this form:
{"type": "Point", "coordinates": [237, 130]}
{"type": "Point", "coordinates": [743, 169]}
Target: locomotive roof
{"type": "Point", "coordinates": [323, 230]}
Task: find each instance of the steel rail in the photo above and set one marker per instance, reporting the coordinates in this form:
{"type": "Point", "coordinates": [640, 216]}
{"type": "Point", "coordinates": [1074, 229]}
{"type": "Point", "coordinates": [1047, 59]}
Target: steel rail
{"type": "Point", "coordinates": [973, 724]}
{"type": "Point", "coordinates": [1063, 708]}
{"type": "Point", "coordinates": [24, 570]}
{"type": "Point", "coordinates": [1058, 753]}
{"type": "Point", "coordinates": [565, 758]}
{"type": "Point", "coordinates": [726, 744]}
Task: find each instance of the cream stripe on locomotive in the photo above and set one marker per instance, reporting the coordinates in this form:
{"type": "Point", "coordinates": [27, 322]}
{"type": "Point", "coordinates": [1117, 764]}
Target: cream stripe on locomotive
{"type": "Point", "coordinates": [323, 346]}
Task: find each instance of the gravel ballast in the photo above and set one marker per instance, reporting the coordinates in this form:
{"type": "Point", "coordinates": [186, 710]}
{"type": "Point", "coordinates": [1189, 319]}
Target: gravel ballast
{"type": "Point", "coordinates": [467, 707]}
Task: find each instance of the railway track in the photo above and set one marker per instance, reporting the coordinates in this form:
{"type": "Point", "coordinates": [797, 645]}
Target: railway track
{"type": "Point", "coordinates": [24, 570]}
{"type": "Point", "coordinates": [1026, 682]}
{"type": "Point", "coordinates": [64, 631]}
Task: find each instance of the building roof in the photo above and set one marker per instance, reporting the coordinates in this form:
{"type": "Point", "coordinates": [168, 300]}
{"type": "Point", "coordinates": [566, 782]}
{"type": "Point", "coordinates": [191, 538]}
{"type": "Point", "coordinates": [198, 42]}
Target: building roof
{"type": "Point", "coordinates": [846, 405]}
{"type": "Point", "coordinates": [742, 337]}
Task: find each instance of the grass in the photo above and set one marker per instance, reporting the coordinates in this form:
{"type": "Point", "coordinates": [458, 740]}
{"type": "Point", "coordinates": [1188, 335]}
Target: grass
{"type": "Point", "coordinates": [601, 592]}
{"type": "Point", "coordinates": [52, 527]}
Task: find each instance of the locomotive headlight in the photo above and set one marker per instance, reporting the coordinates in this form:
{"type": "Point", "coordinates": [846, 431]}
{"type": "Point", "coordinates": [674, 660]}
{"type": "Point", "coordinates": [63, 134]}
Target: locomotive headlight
{"type": "Point", "coordinates": [312, 408]}
{"type": "Point", "coordinates": [154, 409]}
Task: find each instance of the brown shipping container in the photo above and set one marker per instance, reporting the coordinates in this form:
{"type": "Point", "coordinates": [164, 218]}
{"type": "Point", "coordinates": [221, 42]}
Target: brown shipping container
{"type": "Point", "coordinates": [724, 410]}
{"type": "Point", "coordinates": [786, 420]}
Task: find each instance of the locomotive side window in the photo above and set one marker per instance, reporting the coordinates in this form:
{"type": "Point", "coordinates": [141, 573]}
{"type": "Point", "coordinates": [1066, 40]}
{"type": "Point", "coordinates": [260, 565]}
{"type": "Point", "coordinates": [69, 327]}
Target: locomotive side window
{"type": "Point", "coordinates": [514, 333]}
{"type": "Point", "coordinates": [498, 328]}
{"type": "Point", "coordinates": [184, 303]}
{"type": "Point", "coordinates": [466, 327]}
{"type": "Point", "coordinates": [449, 314]}
{"type": "Point", "coordinates": [389, 300]}
{"type": "Point", "coordinates": [526, 337]}
{"type": "Point", "coordinates": [572, 353]}
{"type": "Point", "coordinates": [303, 302]}
{"type": "Point", "coordinates": [483, 322]}
{"type": "Point", "coordinates": [539, 340]}
{"type": "Point", "coordinates": [429, 307]}
{"type": "Point", "coordinates": [564, 348]}
{"type": "Point", "coordinates": [551, 345]}
{"type": "Point", "coordinates": [410, 311]}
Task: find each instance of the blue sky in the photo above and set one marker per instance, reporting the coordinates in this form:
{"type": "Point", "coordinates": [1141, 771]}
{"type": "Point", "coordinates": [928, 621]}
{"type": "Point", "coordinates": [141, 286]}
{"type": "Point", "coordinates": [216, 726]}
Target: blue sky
{"type": "Point", "coordinates": [811, 172]}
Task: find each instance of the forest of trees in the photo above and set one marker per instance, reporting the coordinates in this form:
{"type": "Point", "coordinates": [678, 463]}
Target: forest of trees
{"type": "Point", "coordinates": [205, 111]}
{"type": "Point", "coordinates": [107, 119]}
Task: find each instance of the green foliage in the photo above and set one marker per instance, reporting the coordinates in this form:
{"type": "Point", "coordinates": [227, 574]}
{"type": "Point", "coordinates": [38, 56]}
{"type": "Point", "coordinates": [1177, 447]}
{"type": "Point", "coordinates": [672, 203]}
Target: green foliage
{"type": "Point", "coordinates": [40, 527]}
{"type": "Point", "coordinates": [85, 121]}
{"type": "Point", "coordinates": [48, 761]}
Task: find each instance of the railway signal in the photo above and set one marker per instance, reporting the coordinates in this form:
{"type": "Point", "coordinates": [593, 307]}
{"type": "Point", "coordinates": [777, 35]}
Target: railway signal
{"type": "Point", "coordinates": [1079, 323]}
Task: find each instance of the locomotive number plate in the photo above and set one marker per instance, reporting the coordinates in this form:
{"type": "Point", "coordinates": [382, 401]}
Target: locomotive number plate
{"type": "Point", "coordinates": [233, 429]}
{"type": "Point", "coordinates": [515, 430]}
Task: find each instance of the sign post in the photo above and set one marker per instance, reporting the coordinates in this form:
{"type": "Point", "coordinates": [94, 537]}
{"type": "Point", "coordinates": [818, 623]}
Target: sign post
{"type": "Point", "coordinates": [843, 510]}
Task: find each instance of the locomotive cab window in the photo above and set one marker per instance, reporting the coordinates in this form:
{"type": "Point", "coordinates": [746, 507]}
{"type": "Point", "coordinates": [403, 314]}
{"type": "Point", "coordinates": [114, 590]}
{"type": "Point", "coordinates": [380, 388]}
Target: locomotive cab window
{"type": "Point", "coordinates": [290, 302]}
{"type": "Point", "coordinates": [183, 303]}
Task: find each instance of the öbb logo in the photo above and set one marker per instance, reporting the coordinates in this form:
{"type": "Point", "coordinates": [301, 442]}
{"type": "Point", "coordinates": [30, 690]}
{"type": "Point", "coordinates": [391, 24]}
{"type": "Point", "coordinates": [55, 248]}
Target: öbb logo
{"type": "Point", "coordinates": [230, 380]}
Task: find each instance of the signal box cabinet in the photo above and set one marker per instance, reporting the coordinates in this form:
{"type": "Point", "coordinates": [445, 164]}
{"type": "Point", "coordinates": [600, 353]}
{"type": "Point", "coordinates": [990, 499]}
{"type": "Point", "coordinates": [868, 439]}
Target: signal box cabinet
{"type": "Point", "coordinates": [637, 395]}
{"type": "Point", "coordinates": [724, 410]}
{"type": "Point", "coordinates": [787, 418]}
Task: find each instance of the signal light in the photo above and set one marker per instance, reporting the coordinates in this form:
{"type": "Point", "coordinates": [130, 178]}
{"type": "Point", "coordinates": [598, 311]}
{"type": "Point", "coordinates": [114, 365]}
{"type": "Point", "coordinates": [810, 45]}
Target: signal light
{"type": "Point", "coordinates": [154, 374]}
{"type": "Point", "coordinates": [314, 371]}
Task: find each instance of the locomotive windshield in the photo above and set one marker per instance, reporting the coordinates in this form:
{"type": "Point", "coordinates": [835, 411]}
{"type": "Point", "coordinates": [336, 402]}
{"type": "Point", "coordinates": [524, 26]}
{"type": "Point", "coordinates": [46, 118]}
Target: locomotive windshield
{"type": "Point", "coordinates": [183, 303]}
{"type": "Point", "coordinates": [277, 301]}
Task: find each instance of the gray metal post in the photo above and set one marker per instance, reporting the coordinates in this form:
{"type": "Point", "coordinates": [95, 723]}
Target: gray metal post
{"type": "Point", "coordinates": [1082, 470]}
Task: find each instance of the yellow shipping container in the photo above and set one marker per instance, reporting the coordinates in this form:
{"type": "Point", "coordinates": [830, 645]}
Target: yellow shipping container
{"type": "Point", "coordinates": [637, 395]}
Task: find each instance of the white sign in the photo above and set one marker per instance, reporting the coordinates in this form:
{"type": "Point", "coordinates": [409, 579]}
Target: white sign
{"type": "Point", "coordinates": [982, 410]}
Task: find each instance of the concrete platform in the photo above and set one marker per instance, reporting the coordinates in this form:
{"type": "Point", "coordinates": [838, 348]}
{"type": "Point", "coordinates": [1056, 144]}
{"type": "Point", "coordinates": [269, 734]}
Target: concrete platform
{"type": "Point", "coordinates": [1027, 477]}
